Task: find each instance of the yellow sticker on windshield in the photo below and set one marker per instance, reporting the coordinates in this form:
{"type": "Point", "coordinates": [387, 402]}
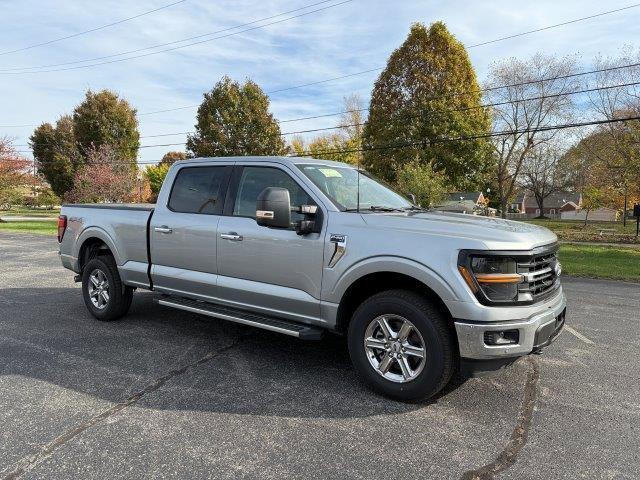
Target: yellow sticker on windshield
{"type": "Point", "coordinates": [330, 172]}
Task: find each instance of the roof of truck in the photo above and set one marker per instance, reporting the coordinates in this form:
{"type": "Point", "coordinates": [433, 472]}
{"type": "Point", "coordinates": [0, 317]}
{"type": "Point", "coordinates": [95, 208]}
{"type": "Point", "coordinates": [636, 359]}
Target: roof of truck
{"type": "Point", "coordinates": [279, 159]}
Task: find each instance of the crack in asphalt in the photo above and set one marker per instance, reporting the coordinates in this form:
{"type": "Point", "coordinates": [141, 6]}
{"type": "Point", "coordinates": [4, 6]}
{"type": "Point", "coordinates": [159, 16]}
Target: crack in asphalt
{"type": "Point", "coordinates": [27, 463]}
{"type": "Point", "coordinates": [507, 457]}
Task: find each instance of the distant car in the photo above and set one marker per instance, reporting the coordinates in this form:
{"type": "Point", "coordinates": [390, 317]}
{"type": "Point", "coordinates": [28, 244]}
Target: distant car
{"type": "Point", "coordinates": [301, 246]}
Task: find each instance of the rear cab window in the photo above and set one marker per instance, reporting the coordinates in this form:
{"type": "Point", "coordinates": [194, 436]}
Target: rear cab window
{"type": "Point", "coordinates": [199, 190]}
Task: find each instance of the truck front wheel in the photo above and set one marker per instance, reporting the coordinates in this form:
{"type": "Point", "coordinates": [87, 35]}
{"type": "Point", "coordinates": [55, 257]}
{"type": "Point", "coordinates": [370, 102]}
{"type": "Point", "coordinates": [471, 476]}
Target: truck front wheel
{"type": "Point", "coordinates": [401, 346]}
{"type": "Point", "coordinates": [104, 294]}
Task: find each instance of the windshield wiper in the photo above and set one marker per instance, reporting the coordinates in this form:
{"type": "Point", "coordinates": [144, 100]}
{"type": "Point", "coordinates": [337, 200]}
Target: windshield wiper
{"type": "Point", "coordinates": [375, 208]}
{"type": "Point", "coordinates": [415, 208]}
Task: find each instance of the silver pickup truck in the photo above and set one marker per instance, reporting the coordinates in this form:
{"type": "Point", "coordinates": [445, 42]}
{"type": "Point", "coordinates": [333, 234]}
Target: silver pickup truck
{"type": "Point", "coordinates": [301, 246]}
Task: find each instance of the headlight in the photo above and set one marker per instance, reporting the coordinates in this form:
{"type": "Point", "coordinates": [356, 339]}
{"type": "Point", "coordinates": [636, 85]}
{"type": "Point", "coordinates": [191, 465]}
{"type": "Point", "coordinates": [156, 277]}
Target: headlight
{"type": "Point", "coordinates": [494, 278]}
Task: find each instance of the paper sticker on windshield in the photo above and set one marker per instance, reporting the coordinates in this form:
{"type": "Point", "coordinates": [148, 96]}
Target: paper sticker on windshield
{"type": "Point", "coordinates": [330, 172]}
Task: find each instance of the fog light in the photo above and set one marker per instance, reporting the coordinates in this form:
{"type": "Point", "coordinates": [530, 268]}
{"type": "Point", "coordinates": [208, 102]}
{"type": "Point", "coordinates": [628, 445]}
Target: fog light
{"type": "Point", "coordinates": [502, 337]}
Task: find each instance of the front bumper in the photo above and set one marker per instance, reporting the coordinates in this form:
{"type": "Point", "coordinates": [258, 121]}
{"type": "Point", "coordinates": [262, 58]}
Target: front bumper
{"type": "Point", "coordinates": [535, 332]}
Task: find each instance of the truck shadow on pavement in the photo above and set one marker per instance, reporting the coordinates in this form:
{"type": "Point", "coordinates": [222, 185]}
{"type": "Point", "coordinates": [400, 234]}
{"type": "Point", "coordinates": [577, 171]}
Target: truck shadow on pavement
{"type": "Point", "coordinates": [191, 362]}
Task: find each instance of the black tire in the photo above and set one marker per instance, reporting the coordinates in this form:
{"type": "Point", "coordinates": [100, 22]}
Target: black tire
{"type": "Point", "coordinates": [120, 296]}
{"type": "Point", "coordinates": [440, 356]}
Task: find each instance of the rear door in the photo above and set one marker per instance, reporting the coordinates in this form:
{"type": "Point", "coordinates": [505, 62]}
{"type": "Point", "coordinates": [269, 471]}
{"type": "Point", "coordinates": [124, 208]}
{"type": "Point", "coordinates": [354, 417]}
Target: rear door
{"type": "Point", "coordinates": [273, 271]}
{"type": "Point", "coordinates": [183, 232]}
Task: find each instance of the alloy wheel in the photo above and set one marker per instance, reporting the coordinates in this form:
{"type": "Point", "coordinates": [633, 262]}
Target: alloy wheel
{"type": "Point", "coordinates": [98, 289]}
{"type": "Point", "coordinates": [395, 348]}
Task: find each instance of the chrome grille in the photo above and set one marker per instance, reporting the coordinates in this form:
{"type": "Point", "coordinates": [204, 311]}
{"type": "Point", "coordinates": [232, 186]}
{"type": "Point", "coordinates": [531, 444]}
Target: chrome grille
{"type": "Point", "coordinates": [541, 274]}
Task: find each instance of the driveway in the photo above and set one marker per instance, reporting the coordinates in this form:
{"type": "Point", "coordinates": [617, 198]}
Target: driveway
{"type": "Point", "coordinates": [167, 394]}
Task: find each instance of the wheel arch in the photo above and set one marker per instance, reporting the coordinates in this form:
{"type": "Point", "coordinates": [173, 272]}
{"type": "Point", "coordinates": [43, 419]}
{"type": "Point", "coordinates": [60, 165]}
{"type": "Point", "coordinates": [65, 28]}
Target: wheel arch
{"type": "Point", "coordinates": [91, 244]}
{"type": "Point", "coordinates": [372, 283]}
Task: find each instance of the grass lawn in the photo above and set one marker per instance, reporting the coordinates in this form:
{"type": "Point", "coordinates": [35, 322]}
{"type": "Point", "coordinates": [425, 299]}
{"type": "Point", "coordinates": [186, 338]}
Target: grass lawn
{"type": "Point", "coordinates": [600, 262]}
{"type": "Point", "coordinates": [576, 231]}
{"type": "Point", "coordinates": [30, 212]}
{"type": "Point", "coordinates": [38, 227]}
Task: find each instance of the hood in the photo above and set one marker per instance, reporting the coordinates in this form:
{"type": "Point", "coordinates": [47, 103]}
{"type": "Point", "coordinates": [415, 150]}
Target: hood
{"type": "Point", "coordinates": [494, 233]}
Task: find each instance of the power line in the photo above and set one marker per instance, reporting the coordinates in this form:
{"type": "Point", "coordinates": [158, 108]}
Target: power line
{"type": "Point", "coordinates": [118, 22]}
{"type": "Point", "coordinates": [426, 143]}
{"type": "Point", "coordinates": [500, 39]}
{"type": "Point", "coordinates": [475, 107]}
{"type": "Point", "coordinates": [33, 69]}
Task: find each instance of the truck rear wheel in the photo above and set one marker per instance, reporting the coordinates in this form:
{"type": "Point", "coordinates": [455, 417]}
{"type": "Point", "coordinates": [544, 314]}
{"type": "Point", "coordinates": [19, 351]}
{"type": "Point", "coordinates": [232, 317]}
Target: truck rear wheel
{"type": "Point", "coordinates": [401, 346]}
{"type": "Point", "coordinates": [104, 294]}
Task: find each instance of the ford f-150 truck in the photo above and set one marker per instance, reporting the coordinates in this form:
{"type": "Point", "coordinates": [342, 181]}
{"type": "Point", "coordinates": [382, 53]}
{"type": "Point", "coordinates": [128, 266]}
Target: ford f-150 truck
{"type": "Point", "coordinates": [302, 246]}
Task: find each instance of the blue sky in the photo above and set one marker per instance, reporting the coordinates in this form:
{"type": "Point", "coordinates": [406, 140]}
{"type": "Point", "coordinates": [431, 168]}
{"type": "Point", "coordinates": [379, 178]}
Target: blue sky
{"type": "Point", "coordinates": [347, 38]}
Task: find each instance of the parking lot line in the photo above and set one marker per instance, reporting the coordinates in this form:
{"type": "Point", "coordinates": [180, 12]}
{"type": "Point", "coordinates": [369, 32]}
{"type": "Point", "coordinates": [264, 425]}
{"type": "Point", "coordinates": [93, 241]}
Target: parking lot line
{"type": "Point", "coordinates": [578, 335]}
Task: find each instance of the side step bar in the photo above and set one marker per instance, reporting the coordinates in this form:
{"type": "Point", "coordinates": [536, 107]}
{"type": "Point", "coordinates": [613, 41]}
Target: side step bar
{"type": "Point", "coordinates": [304, 332]}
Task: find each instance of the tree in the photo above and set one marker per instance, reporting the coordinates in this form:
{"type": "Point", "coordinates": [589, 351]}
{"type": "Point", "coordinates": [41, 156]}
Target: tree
{"type": "Point", "coordinates": [47, 198]}
{"type": "Point", "coordinates": [56, 154]}
{"type": "Point", "coordinates": [104, 118]}
{"type": "Point", "coordinates": [342, 146]}
{"type": "Point", "coordinates": [592, 198]}
{"type": "Point", "coordinates": [622, 156]}
{"type": "Point", "coordinates": [170, 158]}
{"type": "Point", "coordinates": [104, 178]}
{"type": "Point", "coordinates": [101, 119]}
{"type": "Point", "coordinates": [543, 173]}
{"type": "Point", "coordinates": [535, 97]}
{"type": "Point", "coordinates": [427, 95]}
{"type": "Point", "coordinates": [156, 174]}
{"type": "Point", "coordinates": [13, 173]}
{"type": "Point", "coordinates": [428, 185]}
{"type": "Point", "coordinates": [234, 119]}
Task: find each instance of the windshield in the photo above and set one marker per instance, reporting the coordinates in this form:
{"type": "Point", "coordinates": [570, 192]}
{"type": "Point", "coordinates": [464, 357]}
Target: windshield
{"type": "Point", "coordinates": [340, 184]}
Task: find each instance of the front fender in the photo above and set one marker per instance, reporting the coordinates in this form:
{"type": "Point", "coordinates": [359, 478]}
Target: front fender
{"type": "Point", "coordinates": [394, 264]}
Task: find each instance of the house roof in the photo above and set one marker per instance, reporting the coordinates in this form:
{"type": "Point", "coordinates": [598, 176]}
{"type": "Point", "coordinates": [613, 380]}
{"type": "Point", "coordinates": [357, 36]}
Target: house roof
{"type": "Point", "coordinates": [555, 200]}
{"type": "Point", "coordinates": [459, 206]}
{"type": "Point", "coordinates": [464, 196]}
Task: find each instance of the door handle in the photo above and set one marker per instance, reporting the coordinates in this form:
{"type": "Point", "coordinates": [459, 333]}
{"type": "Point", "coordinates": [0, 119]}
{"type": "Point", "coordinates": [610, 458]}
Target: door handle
{"type": "Point", "coordinates": [233, 236]}
{"type": "Point", "coordinates": [163, 229]}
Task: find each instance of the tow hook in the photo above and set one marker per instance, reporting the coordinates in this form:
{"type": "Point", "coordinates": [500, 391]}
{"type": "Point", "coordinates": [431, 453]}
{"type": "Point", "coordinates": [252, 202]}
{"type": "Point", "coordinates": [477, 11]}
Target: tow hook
{"type": "Point", "coordinates": [77, 278]}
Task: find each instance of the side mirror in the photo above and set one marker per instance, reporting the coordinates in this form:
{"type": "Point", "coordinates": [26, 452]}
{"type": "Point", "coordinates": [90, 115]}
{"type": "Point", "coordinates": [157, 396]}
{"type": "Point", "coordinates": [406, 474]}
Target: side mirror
{"type": "Point", "coordinates": [273, 208]}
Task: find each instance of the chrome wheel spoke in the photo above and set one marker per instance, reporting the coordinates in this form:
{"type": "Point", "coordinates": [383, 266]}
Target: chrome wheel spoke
{"type": "Point", "coordinates": [414, 351]}
{"type": "Point", "coordinates": [385, 363]}
{"type": "Point", "coordinates": [407, 373]}
{"type": "Point", "coordinates": [98, 289]}
{"type": "Point", "coordinates": [405, 331]}
{"type": "Point", "coordinates": [386, 329]}
{"type": "Point", "coordinates": [94, 280]}
{"type": "Point", "coordinates": [105, 296]}
{"type": "Point", "coordinates": [375, 343]}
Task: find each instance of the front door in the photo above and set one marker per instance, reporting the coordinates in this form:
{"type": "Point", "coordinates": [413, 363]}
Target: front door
{"type": "Point", "coordinates": [273, 271]}
{"type": "Point", "coordinates": [183, 232]}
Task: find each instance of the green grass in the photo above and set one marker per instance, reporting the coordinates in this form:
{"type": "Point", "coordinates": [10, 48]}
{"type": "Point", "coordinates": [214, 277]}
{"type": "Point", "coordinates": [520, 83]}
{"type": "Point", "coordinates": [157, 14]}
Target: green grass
{"type": "Point", "coordinates": [600, 262]}
{"type": "Point", "coordinates": [576, 231]}
{"type": "Point", "coordinates": [30, 212]}
{"type": "Point", "coordinates": [38, 227]}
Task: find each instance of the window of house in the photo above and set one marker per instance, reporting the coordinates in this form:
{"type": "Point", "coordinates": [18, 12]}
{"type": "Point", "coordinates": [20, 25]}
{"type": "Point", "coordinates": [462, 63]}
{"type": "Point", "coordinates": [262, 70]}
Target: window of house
{"type": "Point", "coordinates": [537, 211]}
{"type": "Point", "coordinates": [255, 179]}
{"type": "Point", "coordinates": [199, 190]}
{"type": "Point", "coordinates": [552, 211]}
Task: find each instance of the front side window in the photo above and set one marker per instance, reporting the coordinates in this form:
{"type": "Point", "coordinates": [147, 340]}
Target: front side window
{"type": "Point", "coordinates": [199, 190]}
{"type": "Point", "coordinates": [255, 179]}
{"type": "Point", "coordinates": [340, 184]}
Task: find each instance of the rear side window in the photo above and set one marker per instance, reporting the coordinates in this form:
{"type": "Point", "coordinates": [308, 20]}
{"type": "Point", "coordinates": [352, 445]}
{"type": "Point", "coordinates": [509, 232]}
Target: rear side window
{"type": "Point", "coordinates": [199, 190]}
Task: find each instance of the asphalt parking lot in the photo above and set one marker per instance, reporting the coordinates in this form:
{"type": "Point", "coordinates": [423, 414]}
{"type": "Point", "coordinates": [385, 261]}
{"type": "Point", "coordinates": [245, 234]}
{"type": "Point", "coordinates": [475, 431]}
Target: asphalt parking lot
{"type": "Point", "coordinates": [167, 394]}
